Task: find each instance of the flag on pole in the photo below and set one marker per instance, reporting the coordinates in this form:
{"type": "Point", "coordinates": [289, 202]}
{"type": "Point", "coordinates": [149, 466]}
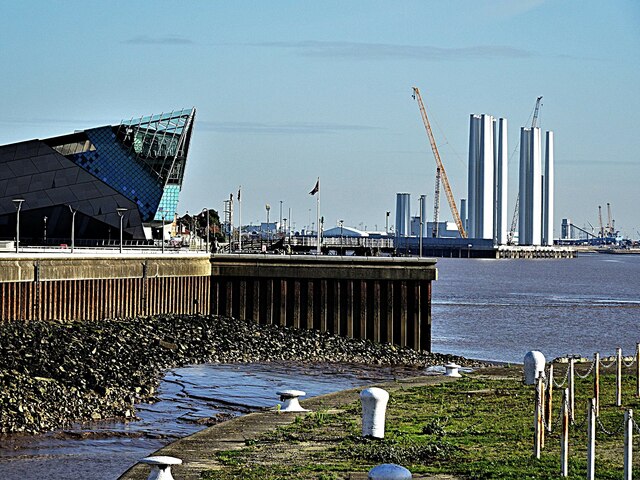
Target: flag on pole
{"type": "Point", "coordinates": [239, 188]}
{"type": "Point", "coordinates": [316, 189]}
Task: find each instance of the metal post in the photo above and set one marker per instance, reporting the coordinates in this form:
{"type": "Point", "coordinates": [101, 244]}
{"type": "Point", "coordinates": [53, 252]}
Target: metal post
{"type": "Point", "coordinates": [591, 438]}
{"type": "Point", "coordinates": [537, 439]}
{"type": "Point", "coordinates": [45, 230]}
{"type": "Point", "coordinates": [596, 381]}
{"type": "Point", "coordinates": [386, 224]}
{"type": "Point", "coordinates": [164, 216]}
{"type": "Point", "coordinates": [572, 390]}
{"type": "Point", "coordinates": [268, 208]}
{"type": "Point", "coordinates": [120, 212]}
{"type": "Point", "coordinates": [628, 445]}
{"type": "Point", "coordinates": [564, 438]}
{"type": "Point", "coordinates": [420, 228]}
{"type": "Point", "coordinates": [73, 228]}
{"type": "Point", "coordinates": [18, 204]}
{"type": "Point", "coordinates": [549, 400]}
{"type": "Point", "coordinates": [637, 369]}
{"type": "Point", "coordinates": [618, 377]}
{"type": "Point", "coordinates": [206, 212]}
{"type": "Point", "coordinates": [280, 224]}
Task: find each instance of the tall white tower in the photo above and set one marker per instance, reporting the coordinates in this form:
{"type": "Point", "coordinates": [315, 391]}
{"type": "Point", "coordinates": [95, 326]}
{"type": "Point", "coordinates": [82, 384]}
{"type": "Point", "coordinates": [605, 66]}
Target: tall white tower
{"type": "Point", "coordinates": [423, 218]}
{"type": "Point", "coordinates": [547, 237]}
{"type": "Point", "coordinates": [502, 162]}
{"type": "Point", "coordinates": [530, 214]}
{"type": "Point", "coordinates": [481, 179]}
{"type": "Point", "coordinates": [403, 214]}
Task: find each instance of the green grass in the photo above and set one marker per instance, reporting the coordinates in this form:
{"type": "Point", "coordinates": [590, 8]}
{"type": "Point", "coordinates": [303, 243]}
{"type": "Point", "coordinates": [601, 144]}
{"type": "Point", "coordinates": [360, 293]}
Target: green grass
{"type": "Point", "coordinates": [480, 428]}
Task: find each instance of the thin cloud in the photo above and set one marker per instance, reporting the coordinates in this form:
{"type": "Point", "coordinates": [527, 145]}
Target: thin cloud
{"type": "Point", "coordinates": [385, 51]}
{"type": "Point", "coordinates": [160, 40]}
{"type": "Point", "coordinates": [299, 128]}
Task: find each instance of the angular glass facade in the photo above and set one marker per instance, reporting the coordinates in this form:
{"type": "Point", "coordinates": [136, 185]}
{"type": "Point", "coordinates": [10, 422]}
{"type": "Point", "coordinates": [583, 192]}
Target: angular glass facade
{"type": "Point", "coordinates": [138, 164]}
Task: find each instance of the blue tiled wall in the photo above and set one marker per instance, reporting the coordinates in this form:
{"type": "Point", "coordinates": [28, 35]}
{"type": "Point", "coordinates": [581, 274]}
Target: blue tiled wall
{"type": "Point", "coordinates": [169, 202]}
{"type": "Point", "coordinates": [114, 165]}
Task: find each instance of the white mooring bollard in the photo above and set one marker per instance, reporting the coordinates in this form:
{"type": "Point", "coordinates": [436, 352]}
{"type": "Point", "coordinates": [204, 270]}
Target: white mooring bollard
{"type": "Point", "coordinates": [389, 471]}
{"type": "Point", "coordinates": [289, 399]}
{"type": "Point", "coordinates": [374, 406]}
{"type": "Point", "coordinates": [451, 370]}
{"type": "Point", "coordinates": [161, 467]}
{"type": "Point", "coordinates": [534, 363]}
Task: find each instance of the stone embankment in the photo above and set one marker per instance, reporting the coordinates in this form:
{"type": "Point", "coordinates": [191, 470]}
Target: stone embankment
{"type": "Point", "coordinates": [56, 373]}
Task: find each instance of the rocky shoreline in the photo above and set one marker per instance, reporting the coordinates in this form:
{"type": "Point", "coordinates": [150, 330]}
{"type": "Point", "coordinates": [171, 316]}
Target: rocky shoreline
{"type": "Point", "coordinates": [53, 374]}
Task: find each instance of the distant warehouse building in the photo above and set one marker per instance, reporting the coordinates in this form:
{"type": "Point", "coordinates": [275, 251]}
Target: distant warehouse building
{"type": "Point", "coordinates": [134, 169]}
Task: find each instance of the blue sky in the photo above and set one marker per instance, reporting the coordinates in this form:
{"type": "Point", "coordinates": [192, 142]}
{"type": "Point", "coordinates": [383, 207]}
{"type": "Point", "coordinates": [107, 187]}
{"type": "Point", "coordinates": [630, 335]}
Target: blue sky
{"type": "Point", "coordinates": [287, 91]}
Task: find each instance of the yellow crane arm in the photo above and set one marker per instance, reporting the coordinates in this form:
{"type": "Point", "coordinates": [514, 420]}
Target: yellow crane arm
{"type": "Point", "coordinates": [443, 173]}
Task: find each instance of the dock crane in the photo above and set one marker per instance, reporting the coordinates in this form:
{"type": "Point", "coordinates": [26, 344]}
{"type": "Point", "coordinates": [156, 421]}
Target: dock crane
{"type": "Point", "coordinates": [514, 220]}
{"type": "Point", "coordinates": [441, 175]}
{"type": "Point", "coordinates": [600, 221]}
{"type": "Point", "coordinates": [610, 222]}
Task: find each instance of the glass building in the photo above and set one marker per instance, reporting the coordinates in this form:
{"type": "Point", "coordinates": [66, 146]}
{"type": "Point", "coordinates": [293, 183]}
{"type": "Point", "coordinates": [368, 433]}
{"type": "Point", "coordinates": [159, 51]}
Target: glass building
{"type": "Point", "coordinates": [137, 165]}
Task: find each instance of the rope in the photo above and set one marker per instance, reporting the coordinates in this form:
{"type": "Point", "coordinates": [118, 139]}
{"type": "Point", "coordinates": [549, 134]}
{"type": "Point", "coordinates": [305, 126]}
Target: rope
{"type": "Point", "coordinates": [630, 364]}
{"type": "Point", "coordinates": [635, 425]}
{"type": "Point", "coordinates": [586, 374]}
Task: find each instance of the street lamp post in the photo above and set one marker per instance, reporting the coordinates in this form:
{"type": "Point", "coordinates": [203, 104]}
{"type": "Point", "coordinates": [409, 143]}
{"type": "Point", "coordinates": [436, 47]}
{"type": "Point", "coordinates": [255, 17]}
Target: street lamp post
{"type": "Point", "coordinates": [284, 230]}
{"type": "Point", "coordinates": [73, 227]}
{"type": "Point", "coordinates": [341, 241]}
{"type": "Point", "coordinates": [206, 212]}
{"type": "Point", "coordinates": [45, 230]}
{"type": "Point", "coordinates": [18, 203]}
{"type": "Point", "coordinates": [386, 225]}
{"type": "Point", "coordinates": [268, 207]}
{"type": "Point", "coordinates": [469, 250]}
{"type": "Point", "coordinates": [280, 224]}
{"type": "Point", "coordinates": [164, 216]}
{"type": "Point", "coordinates": [121, 211]}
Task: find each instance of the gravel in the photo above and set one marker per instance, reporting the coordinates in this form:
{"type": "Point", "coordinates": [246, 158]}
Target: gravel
{"type": "Point", "coordinates": [53, 373]}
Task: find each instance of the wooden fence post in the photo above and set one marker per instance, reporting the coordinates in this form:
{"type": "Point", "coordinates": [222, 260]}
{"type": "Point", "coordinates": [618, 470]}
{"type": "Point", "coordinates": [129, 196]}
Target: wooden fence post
{"type": "Point", "coordinates": [549, 400]}
{"type": "Point", "coordinates": [618, 377]}
{"type": "Point", "coordinates": [596, 381]}
{"type": "Point", "coordinates": [564, 438]}
{"type": "Point", "coordinates": [537, 437]}
{"type": "Point", "coordinates": [637, 369]}
{"type": "Point", "coordinates": [591, 439]}
{"type": "Point", "coordinates": [572, 390]}
{"type": "Point", "coordinates": [628, 445]}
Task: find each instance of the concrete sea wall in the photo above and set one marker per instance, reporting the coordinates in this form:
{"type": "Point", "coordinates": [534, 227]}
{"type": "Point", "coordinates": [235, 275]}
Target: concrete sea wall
{"type": "Point", "coordinates": [80, 287]}
{"type": "Point", "coordinates": [381, 299]}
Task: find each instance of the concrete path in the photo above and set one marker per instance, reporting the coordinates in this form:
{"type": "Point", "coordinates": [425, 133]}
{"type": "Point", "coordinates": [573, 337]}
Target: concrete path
{"type": "Point", "coordinates": [197, 450]}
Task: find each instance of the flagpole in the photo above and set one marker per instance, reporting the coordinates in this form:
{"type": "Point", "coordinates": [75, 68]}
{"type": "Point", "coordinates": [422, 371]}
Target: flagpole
{"type": "Point", "coordinates": [239, 219]}
{"type": "Point", "coordinates": [319, 247]}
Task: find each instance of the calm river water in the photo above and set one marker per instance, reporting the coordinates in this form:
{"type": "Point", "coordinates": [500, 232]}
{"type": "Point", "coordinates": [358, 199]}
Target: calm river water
{"type": "Point", "coordinates": [485, 309]}
{"type": "Point", "coordinates": [500, 309]}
